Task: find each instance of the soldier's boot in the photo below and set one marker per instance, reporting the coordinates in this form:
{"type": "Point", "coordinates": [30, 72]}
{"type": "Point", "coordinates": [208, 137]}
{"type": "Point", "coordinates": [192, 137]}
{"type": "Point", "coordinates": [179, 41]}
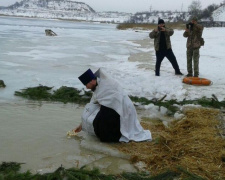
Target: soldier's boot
{"type": "Point", "coordinates": [189, 75]}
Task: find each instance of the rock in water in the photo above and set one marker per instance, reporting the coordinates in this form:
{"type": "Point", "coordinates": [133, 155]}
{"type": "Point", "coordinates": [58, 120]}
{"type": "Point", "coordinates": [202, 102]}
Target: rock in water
{"type": "Point", "coordinates": [2, 84]}
{"type": "Point", "coordinates": [49, 32]}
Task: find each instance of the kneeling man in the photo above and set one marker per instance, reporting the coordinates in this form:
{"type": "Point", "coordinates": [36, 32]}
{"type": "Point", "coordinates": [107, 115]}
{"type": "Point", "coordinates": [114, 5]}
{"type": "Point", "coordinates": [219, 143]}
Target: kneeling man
{"type": "Point", "coordinates": [110, 115]}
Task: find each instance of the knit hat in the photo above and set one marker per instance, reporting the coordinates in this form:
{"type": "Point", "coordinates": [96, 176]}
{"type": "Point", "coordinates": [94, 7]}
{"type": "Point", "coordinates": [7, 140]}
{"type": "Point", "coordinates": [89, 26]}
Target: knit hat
{"type": "Point", "coordinates": [194, 18]}
{"type": "Point", "coordinates": [161, 21]}
{"type": "Point", "coordinates": [86, 77]}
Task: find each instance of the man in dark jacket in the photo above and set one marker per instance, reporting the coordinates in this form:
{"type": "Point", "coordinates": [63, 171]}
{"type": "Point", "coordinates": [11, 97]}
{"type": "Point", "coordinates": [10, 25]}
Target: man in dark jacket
{"type": "Point", "coordinates": [162, 43]}
{"type": "Point", "coordinates": [193, 33]}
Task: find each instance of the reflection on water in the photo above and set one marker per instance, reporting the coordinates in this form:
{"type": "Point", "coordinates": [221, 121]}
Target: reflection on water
{"type": "Point", "coordinates": [35, 133]}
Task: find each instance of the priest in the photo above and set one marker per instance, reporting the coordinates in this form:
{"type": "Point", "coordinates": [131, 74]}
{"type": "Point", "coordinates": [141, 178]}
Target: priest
{"type": "Point", "coordinates": [110, 115]}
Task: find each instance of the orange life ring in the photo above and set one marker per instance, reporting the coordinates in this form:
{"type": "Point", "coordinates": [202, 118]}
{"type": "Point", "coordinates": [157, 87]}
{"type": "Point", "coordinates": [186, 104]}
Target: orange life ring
{"type": "Point", "coordinates": [197, 81]}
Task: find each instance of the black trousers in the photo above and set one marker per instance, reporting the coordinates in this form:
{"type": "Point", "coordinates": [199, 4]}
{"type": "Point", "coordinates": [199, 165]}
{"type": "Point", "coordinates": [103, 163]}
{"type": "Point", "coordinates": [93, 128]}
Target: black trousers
{"type": "Point", "coordinates": [170, 56]}
{"type": "Point", "coordinates": [107, 125]}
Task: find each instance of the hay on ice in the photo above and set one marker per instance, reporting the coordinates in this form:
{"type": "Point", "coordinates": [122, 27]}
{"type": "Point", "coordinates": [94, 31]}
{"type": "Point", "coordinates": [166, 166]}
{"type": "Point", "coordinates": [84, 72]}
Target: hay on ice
{"type": "Point", "coordinates": [193, 143]}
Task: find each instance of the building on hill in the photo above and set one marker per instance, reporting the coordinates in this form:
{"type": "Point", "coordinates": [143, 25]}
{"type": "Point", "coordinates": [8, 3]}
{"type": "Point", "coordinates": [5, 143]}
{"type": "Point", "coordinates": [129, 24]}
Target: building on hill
{"type": "Point", "coordinates": [217, 19]}
{"type": "Point", "coordinates": [154, 16]}
{"type": "Point", "coordinates": [219, 14]}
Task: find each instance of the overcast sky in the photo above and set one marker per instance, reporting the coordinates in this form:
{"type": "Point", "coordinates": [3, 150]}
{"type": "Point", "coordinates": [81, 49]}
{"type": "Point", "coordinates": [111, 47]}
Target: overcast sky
{"type": "Point", "coordinates": [134, 6]}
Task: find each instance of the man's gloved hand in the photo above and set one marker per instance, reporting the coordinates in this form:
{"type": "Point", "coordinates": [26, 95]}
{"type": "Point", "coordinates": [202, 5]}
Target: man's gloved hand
{"type": "Point", "coordinates": [189, 25]}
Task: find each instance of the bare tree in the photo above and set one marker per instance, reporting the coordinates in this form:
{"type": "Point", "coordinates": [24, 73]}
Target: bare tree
{"type": "Point", "coordinates": [207, 12]}
{"type": "Point", "coordinates": [195, 8]}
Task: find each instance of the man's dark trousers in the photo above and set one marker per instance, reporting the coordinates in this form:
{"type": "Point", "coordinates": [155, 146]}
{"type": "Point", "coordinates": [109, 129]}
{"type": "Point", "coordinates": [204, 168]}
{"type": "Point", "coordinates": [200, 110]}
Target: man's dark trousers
{"type": "Point", "coordinates": [170, 56]}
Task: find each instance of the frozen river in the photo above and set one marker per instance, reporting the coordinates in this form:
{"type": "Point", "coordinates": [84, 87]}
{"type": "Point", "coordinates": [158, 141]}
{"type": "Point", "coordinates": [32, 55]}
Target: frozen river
{"type": "Point", "coordinates": [29, 58]}
{"type": "Point", "coordinates": [35, 132]}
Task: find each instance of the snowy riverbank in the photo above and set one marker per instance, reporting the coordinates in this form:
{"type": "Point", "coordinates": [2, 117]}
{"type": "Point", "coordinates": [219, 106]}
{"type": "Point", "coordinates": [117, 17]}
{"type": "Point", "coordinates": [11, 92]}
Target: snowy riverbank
{"type": "Point", "coordinates": [138, 74]}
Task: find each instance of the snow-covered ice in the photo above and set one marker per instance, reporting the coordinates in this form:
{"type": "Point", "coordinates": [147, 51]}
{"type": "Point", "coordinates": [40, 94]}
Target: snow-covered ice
{"type": "Point", "coordinates": [29, 58]}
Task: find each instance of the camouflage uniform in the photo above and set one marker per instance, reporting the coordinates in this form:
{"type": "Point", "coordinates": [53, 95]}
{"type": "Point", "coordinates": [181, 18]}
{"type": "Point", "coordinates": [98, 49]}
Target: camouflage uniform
{"type": "Point", "coordinates": [193, 46]}
{"type": "Point", "coordinates": [156, 36]}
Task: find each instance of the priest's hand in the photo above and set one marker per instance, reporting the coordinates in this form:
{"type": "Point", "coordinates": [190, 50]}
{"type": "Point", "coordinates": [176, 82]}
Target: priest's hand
{"type": "Point", "coordinates": [78, 129]}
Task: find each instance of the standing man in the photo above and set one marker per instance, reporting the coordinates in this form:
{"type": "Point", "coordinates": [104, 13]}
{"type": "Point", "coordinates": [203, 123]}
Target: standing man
{"type": "Point", "coordinates": [193, 33]}
{"type": "Point", "coordinates": [162, 43]}
{"type": "Point", "coordinates": [110, 114]}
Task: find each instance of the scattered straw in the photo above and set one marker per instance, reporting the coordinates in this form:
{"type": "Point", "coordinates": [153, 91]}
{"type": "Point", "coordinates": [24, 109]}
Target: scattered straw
{"type": "Point", "coordinates": [192, 143]}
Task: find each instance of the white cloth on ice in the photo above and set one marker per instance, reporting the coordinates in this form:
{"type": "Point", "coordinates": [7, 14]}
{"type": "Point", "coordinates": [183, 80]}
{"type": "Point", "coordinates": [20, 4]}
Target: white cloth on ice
{"type": "Point", "coordinates": [110, 94]}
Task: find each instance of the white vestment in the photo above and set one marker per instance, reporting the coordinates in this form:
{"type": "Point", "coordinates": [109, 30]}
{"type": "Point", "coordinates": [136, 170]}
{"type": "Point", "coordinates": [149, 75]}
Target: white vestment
{"type": "Point", "coordinates": [88, 116]}
{"type": "Point", "coordinates": [110, 94]}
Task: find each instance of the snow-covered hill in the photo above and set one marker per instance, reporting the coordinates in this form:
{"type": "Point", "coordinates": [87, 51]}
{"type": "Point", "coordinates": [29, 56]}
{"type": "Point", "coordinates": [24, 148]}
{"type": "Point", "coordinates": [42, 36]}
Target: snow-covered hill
{"type": "Point", "coordinates": [152, 17]}
{"type": "Point", "coordinates": [51, 5]}
{"type": "Point", "coordinates": [66, 9]}
{"type": "Point", "coordinates": [48, 9]}
{"type": "Point", "coordinates": [62, 9]}
{"type": "Point", "coordinates": [219, 14]}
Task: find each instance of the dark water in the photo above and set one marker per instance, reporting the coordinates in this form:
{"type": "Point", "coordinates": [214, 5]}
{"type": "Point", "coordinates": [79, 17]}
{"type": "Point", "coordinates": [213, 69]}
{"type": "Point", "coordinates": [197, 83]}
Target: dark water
{"type": "Point", "coordinates": [36, 134]}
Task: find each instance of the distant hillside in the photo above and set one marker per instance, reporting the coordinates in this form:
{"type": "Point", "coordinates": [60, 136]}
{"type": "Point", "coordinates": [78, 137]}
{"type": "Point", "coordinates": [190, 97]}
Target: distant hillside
{"type": "Point", "coordinates": [219, 14]}
{"type": "Point", "coordinates": [47, 8]}
{"type": "Point", "coordinates": [67, 9]}
{"type": "Point", "coordinates": [152, 17]}
{"type": "Point", "coordinates": [52, 5]}
{"type": "Point", "coordinates": [62, 9]}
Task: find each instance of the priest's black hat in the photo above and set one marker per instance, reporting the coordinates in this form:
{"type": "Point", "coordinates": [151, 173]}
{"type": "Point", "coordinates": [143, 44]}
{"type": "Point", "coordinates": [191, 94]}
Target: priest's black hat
{"type": "Point", "coordinates": [86, 77]}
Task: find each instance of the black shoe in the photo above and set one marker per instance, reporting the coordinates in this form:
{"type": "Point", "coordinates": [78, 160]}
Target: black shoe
{"type": "Point", "coordinates": [157, 73]}
{"type": "Point", "coordinates": [189, 75]}
{"type": "Point", "coordinates": [195, 75]}
{"type": "Point", "coordinates": [178, 73]}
